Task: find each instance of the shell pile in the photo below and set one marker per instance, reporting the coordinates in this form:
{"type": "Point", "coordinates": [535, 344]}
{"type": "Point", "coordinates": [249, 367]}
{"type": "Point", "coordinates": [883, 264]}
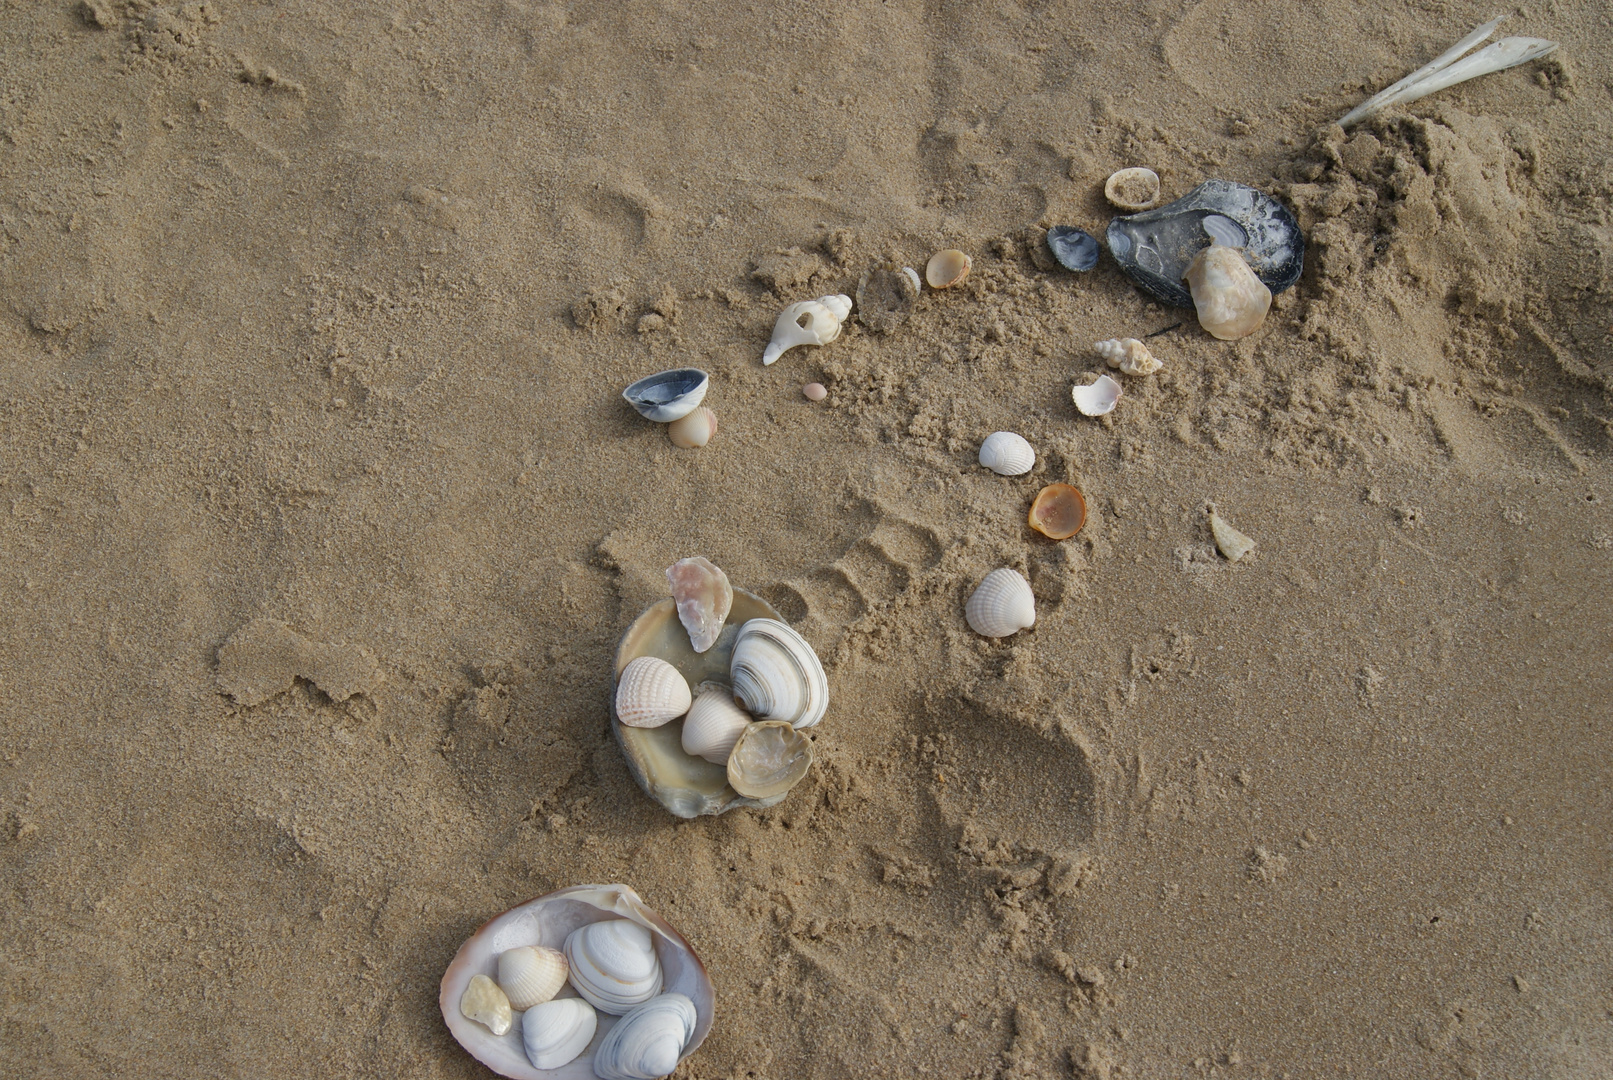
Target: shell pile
{"type": "Point", "coordinates": [810, 322]}
{"type": "Point", "coordinates": [644, 1001]}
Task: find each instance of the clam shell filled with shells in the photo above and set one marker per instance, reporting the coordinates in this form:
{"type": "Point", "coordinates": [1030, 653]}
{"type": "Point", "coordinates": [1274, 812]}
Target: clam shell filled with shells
{"type": "Point", "coordinates": [624, 959]}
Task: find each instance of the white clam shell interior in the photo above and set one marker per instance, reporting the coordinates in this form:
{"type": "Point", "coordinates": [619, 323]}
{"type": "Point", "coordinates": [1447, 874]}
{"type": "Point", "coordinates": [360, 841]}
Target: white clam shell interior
{"type": "Point", "coordinates": [1001, 605]}
{"type": "Point", "coordinates": [1096, 398]}
{"type": "Point", "coordinates": [548, 921]}
{"type": "Point", "coordinates": [531, 975]}
{"type": "Point", "coordinates": [1007, 454]}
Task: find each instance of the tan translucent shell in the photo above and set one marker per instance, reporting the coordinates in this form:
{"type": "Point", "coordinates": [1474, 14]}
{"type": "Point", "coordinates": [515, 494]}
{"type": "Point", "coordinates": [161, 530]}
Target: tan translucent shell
{"type": "Point", "coordinates": [1231, 301]}
{"type": "Point", "coordinates": [947, 268]}
{"type": "Point", "coordinates": [1058, 511]}
{"type": "Point", "coordinates": [769, 759]}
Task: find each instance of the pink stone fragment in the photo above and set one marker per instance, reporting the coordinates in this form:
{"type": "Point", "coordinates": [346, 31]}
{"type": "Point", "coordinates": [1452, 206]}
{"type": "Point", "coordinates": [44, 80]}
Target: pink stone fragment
{"type": "Point", "coordinates": [703, 596]}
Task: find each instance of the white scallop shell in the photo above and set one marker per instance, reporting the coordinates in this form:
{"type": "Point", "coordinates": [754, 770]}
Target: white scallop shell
{"type": "Point", "coordinates": [613, 964]}
{"type": "Point", "coordinates": [777, 676]}
{"type": "Point", "coordinates": [486, 1004]}
{"type": "Point", "coordinates": [648, 1042]}
{"type": "Point", "coordinates": [531, 975]}
{"type": "Point", "coordinates": [548, 920]}
{"type": "Point", "coordinates": [1129, 355]}
{"type": "Point", "coordinates": [554, 1033]}
{"type": "Point", "coordinates": [1007, 454]}
{"type": "Point", "coordinates": [810, 322]}
{"type": "Point", "coordinates": [650, 693]}
{"type": "Point", "coordinates": [714, 724]}
{"type": "Point", "coordinates": [1231, 301]}
{"type": "Point", "coordinates": [1001, 605]}
{"type": "Point", "coordinates": [1096, 398]}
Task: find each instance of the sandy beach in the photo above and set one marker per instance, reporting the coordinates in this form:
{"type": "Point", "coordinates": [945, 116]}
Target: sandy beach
{"type": "Point", "coordinates": [322, 514]}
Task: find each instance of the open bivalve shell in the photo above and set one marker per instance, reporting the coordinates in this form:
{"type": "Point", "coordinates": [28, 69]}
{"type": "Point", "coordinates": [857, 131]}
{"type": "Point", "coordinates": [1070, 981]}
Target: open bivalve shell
{"type": "Point", "coordinates": [777, 676]}
{"type": "Point", "coordinates": [769, 758]}
{"type": "Point", "coordinates": [548, 921]}
{"type": "Point", "coordinates": [686, 785]}
{"type": "Point", "coordinates": [1097, 397]}
{"type": "Point", "coordinates": [668, 395]}
{"type": "Point", "coordinates": [1001, 605]}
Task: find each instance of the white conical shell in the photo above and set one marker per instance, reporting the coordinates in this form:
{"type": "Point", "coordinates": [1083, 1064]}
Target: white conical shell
{"type": "Point", "coordinates": [1096, 398]}
{"type": "Point", "coordinates": [1129, 355]}
{"type": "Point", "coordinates": [1001, 605]}
{"type": "Point", "coordinates": [553, 1033]}
{"type": "Point", "coordinates": [810, 322]}
{"type": "Point", "coordinates": [613, 965]}
{"type": "Point", "coordinates": [486, 1004]}
{"type": "Point", "coordinates": [714, 724]}
{"type": "Point", "coordinates": [777, 676]}
{"type": "Point", "coordinates": [531, 974]}
{"type": "Point", "coordinates": [1232, 302]}
{"type": "Point", "coordinates": [1007, 454]}
{"type": "Point", "coordinates": [650, 693]}
{"type": "Point", "coordinates": [647, 1042]}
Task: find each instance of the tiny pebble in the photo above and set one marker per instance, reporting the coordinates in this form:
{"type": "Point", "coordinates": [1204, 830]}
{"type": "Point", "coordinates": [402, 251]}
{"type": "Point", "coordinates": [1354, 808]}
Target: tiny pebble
{"type": "Point", "coordinates": [814, 391]}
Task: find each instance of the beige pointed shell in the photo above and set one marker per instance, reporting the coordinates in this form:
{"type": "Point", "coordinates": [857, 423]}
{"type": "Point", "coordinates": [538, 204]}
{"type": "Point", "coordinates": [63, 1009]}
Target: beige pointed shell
{"type": "Point", "coordinates": [1001, 605]}
{"type": "Point", "coordinates": [1096, 398]}
{"type": "Point", "coordinates": [776, 674]}
{"type": "Point", "coordinates": [647, 1042]}
{"type": "Point", "coordinates": [650, 693]}
{"type": "Point", "coordinates": [1007, 454]}
{"type": "Point", "coordinates": [1132, 190]}
{"type": "Point", "coordinates": [693, 430]}
{"type": "Point", "coordinates": [486, 1004]}
{"type": "Point", "coordinates": [714, 724]}
{"type": "Point", "coordinates": [947, 268]}
{"type": "Point", "coordinates": [1229, 541]}
{"type": "Point", "coordinates": [555, 1032]}
{"type": "Point", "coordinates": [531, 975]}
{"type": "Point", "coordinates": [547, 921]}
{"type": "Point", "coordinates": [1129, 355]}
{"type": "Point", "coordinates": [1232, 302]}
{"type": "Point", "coordinates": [769, 759]}
{"type": "Point", "coordinates": [613, 964]}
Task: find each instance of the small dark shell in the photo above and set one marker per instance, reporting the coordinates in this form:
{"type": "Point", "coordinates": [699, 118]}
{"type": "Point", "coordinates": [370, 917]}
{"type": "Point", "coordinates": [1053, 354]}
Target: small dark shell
{"type": "Point", "coordinates": [1156, 246]}
{"type": "Point", "coordinates": [1075, 249]}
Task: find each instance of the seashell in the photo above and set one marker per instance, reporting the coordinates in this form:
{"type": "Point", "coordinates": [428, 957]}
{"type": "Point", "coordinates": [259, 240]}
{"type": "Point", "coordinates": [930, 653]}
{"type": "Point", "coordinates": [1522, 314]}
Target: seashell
{"type": "Point", "coordinates": [694, 429]}
{"type": "Point", "coordinates": [613, 964]}
{"type": "Point", "coordinates": [531, 975]}
{"type": "Point", "coordinates": [1132, 190]}
{"type": "Point", "coordinates": [647, 1042]}
{"type": "Point", "coordinates": [486, 1004]}
{"type": "Point", "coordinates": [703, 596]}
{"type": "Point", "coordinates": [1129, 355]}
{"type": "Point", "coordinates": [668, 395]}
{"type": "Point", "coordinates": [886, 296]}
{"type": "Point", "coordinates": [714, 724]}
{"type": "Point", "coordinates": [1232, 302]}
{"type": "Point", "coordinates": [548, 921]}
{"type": "Point", "coordinates": [1075, 249]}
{"type": "Point", "coordinates": [1098, 397]}
{"type": "Point", "coordinates": [1007, 454]}
{"type": "Point", "coordinates": [554, 1033]}
{"type": "Point", "coordinates": [650, 693]}
{"type": "Point", "coordinates": [1229, 541]}
{"type": "Point", "coordinates": [810, 322]}
{"type": "Point", "coordinates": [684, 785]}
{"type": "Point", "coordinates": [776, 675]}
{"type": "Point", "coordinates": [1156, 247]}
{"type": "Point", "coordinates": [947, 268]}
{"type": "Point", "coordinates": [815, 391]}
{"type": "Point", "coordinates": [769, 758]}
{"type": "Point", "coordinates": [1001, 605]}
{"type": "Point", "coordinates": [1058, 511]}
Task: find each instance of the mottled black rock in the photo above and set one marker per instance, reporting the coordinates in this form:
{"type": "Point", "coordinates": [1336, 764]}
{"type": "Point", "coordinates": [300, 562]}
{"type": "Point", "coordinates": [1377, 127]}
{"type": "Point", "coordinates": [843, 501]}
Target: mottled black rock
{"type": "Point", "coordinates": [1156, 246]}
{"type": "Point", "coordinates": [1075, 249]}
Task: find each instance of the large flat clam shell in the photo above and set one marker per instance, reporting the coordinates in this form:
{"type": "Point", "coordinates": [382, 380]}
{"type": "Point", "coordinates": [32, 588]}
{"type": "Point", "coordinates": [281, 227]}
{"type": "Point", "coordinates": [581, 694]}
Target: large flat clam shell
{"type": "Point", "coordinates": [547, 921]}
{"type": "Point", "coordinates": [687, 786]}
{"type": "Point", "coordinates": [1157, 246]}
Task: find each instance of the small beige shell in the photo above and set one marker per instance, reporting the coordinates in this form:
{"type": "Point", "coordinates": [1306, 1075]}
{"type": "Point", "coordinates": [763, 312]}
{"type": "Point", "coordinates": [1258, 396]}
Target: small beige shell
{"type": "Point", "coordinates": [1229, 541]}
{"type": "Point", "coordinates": [486, 1004]}
{"type": "Point", "coordinates": [1132, 190]}
{"type": "Point", "coordinates": [1007, 454]}
{"type": "Point", "coordinates": [693, 430]}
{"type": "Point", "coordinates": [769, 759]}
{"type": "Point", "coordinates": [1001, 605]}
{"type": "Point", "coordinates": [815, 391]}
{"type": "Point", "coordinates": [1232, 302]}
{"type": "Point", "coordinates": [650, 693]}
{"type": "Point", "coordinates": [1097, 397]}
{"type": "Point", "coordinates": [714, 724]}
{"type": "Point", "coordinates": [947, 268]}
{"type": "Point", "coordinates": [1129, 355]}
{"type": "Point", "coordinates": [531, 974]}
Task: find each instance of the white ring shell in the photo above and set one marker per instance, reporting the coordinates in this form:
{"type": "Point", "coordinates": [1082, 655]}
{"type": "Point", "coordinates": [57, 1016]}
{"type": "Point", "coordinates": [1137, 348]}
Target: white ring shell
{"type": "Point", "coordinates": [613, 964]}
{"type": "Point", "coordinates": [1001, 605]}
{"type": "Point", "coordinates": [651, 692]}
{"type": "Point", "coordinates": [777, 676]}
{"type": "Point", "coordinates": [647, 1042]}
{"type": "Point", "coordinates": [531, 975]}
{"type": "Point", "coordinates": [1007, 454]}
{"type": "Point", "coordinates": [554, 1033]}
{"type": "Point", "coordinates": [714, 724]}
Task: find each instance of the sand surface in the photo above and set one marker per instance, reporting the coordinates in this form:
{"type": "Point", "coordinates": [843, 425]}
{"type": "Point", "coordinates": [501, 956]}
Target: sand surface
{"type": "Point", "coordinates": [321, 516]}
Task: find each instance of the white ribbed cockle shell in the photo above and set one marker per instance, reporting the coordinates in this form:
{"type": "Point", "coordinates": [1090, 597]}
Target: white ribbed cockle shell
{"type": "Point", "coordinates": [1007, 454]}
{"type": "Point", "coordinates": [1001, 605]}
{"type": "Point", "coordinates": [714, 724]}
{"type": "Point", "coordinates": [531, 974]}
{"type": "Point", "coordinates": [651, 692]}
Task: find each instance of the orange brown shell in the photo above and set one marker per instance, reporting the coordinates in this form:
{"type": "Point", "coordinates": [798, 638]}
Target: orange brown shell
{"type": "Point", "coordinates": [1058, 511]}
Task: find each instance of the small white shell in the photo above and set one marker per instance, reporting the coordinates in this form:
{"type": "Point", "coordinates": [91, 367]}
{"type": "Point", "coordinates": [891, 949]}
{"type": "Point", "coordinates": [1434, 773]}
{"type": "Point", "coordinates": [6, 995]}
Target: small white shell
{"type": "Point", "coordinates": [777, 676]}
{"type": "Point", "coordinates": [555, 1032]}
{"type": "Point", "coordinates": [1229, 541]}
{"type": "Point", "coordinates": [1129, 355]}
{"type": "Point", "coordinates": [650, 693]}
{"type": "Point", "coordinates": [693, 430]}
{"type": "Point", "coordinates": [531, 975]}
{"type": "Point", "coordinates": [1098, 397]}
{"type": "Point", "coordinates": [1132, 190]}
{"type": "Point", "coordinates": [647, 1042]}
{"type": "Point", "coordinates": [613, 964]}
{"type": "Point", "coordinates": [947, 268]}
{"type": "Point", "coordinates": [1232, 302]}
{"type": "Point", "coordinates": [810, 322]}
{"type": "Point", "coordinates": [714, 724]}
{"type": "Point", "coordinates": [486, 1004]}
{"type": "Point", "coordinates": [1001, 605]}
{"type": "Point", "coordinates": [913, 276]}
{"type": "Point", "coordinates": [1007, 454]}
